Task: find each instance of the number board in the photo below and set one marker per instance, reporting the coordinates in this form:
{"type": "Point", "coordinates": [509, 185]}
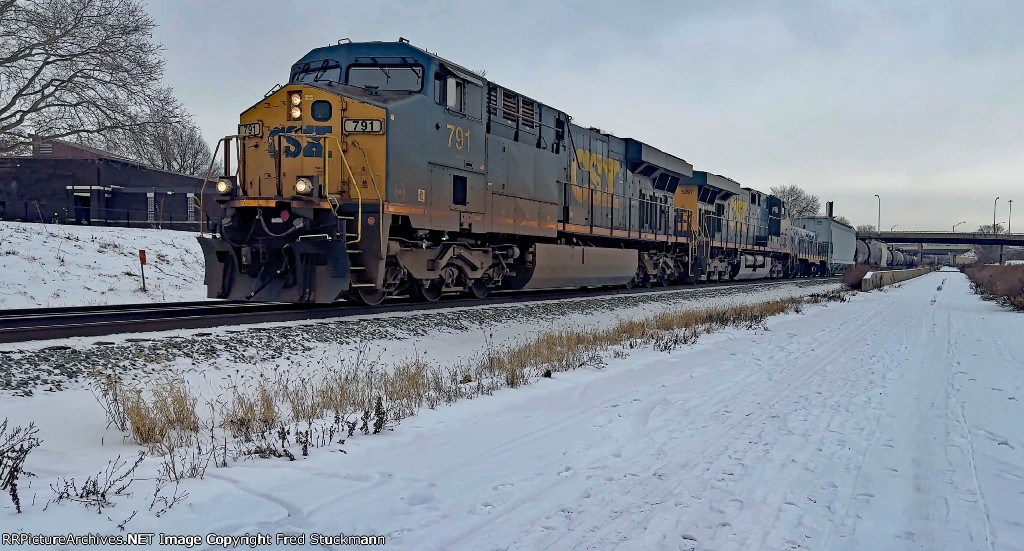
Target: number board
{"type": "Point", "coordinates": [364, 126]}
{"type": "Point", "coordinates": [251, 129]}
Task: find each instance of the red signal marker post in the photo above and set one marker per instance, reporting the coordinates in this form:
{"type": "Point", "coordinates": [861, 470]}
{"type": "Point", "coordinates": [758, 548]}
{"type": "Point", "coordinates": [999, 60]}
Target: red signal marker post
{"type": "Point", "coordinates": [142, 267]}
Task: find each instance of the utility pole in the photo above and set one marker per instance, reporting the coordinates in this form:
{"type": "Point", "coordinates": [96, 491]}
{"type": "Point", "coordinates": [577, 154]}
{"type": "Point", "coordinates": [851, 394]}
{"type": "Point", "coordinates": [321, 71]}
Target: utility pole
{"type": "Point", "coordinates": [1009, 217]}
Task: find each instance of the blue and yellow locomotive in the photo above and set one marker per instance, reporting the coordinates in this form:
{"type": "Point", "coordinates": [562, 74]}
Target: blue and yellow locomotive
{"type": "Point", "coordinates": [381, 169]}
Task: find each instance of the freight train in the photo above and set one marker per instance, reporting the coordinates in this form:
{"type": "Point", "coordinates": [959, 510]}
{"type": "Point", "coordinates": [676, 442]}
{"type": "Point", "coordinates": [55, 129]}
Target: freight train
{"type": "Point", "coordinates": [381, 169]}
{"type": "Point", "coordinates": [872, 252]}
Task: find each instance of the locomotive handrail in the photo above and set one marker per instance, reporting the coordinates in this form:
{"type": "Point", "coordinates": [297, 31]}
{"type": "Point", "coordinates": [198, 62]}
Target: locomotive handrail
{"type": "Point", "coordinates": [659, 220]}
{"type": "Point", "coordinates": [202, 191]}
{"type": "Point", "coordinates": [737, 233]}
{"type": "Point", "coordinates": [380, 197]}
{"type": "Point", "coordinates": [352, 182]}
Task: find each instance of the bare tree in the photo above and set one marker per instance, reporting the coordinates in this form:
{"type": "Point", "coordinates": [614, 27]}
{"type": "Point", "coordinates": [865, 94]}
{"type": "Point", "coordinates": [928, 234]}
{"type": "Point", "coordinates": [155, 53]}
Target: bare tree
{"type": "Point", "coordinates": [177, 147]}
{"type": "Point", "coordinates": [988, 254]}
{"type": "Point", "coordinates": [864, 228]}
{"type": "Point", "coordinates": [988, 228]}
{"type": "Point", "coordinates": [842, 220]}
{"type": "Point", "coordinates": [798, 202]}
{"type": "Point", "coordinates": [76, 68]}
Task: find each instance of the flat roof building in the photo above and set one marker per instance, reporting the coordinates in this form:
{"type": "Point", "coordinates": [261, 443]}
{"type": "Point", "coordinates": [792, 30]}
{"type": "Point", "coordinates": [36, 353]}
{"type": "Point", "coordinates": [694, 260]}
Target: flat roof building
{"type": "Point", "coordinates": [72, 183]}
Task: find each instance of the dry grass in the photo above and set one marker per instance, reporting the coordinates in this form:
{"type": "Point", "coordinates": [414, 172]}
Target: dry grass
{"type": "Point", "coordinates": [1002, 283]}
{"type": "Point", "coordinates": [251, 413]}
{"type": "Point", "coordinates": [169, 406]}
{"type": "Point", "coordinates": [346, 394]}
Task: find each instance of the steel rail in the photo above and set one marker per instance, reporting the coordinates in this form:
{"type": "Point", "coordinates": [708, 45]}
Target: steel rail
{"type": "Point", "coordinates": [25, 325]}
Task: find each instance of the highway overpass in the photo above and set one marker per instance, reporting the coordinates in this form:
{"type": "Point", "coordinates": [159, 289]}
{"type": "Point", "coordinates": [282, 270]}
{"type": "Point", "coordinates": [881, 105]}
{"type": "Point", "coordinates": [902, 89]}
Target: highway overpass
{"type": "Point", "coordinates": [947, 238]}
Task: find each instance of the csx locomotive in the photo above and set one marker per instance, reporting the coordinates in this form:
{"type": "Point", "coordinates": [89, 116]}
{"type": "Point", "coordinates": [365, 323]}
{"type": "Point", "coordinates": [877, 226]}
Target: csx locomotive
{"type": "Point", "coordinates": [381, 169]}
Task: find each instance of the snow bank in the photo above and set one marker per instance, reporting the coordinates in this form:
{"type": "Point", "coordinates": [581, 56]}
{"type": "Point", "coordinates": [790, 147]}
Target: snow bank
{"type": "Point", "coordinates": [52, 266]}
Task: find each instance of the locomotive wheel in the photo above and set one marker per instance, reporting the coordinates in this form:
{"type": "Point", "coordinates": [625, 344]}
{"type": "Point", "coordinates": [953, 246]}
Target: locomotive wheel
{"type": "Point", "coordinates": [367, 296]}
{"type": "Point", "coordinates": [479, 289]}
{"type": "Point", "coordinates": [429, 290]}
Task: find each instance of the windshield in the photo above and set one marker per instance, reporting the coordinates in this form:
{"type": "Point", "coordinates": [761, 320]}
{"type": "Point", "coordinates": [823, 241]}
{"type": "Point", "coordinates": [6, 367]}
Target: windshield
{"type": "Point", "coordinates": [407, 78]}
{"type": "Point", "coordinates": [327, 69]}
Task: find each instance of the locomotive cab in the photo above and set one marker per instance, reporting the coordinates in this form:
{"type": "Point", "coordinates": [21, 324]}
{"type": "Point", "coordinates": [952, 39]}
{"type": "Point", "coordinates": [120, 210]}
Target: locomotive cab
{"type": "Point", "coordinates": [303, 208]}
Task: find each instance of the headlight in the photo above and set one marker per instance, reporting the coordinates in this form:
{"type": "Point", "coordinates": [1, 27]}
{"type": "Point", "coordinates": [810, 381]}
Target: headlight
{"type": "Point", "coordinates": [296, 113]}
{"type": "Point", "coordinates": [296, 98]}
{"type": "Point", "coordinates": [223, 186]}
{"type": "Point", "coordinates": [303, 186]}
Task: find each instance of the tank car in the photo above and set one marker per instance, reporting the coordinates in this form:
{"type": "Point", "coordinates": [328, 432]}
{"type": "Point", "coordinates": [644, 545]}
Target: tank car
{"type": "Point", "coordinates": [381, 169]}
{"type": "Point", "coordinates": [862, 254]}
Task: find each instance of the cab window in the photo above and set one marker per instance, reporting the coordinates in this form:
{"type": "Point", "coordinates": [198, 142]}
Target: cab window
{"type": "Point", "coordinates": [439, 88]}
{"type": "Point", "coordinates": [459, 95]}
{"type": "Point", "coordinates": [454, 95]}
{"type": "Point", "coordinates": [407, 78]}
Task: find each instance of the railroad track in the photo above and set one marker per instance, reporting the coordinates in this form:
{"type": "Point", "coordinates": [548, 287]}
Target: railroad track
{"type": "Point", "coordinates": [32, 324]}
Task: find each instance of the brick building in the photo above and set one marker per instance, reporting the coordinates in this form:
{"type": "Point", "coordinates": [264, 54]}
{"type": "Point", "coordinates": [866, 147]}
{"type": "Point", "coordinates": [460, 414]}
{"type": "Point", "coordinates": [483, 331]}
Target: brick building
{"type": "Point", "coordinates": [77, 184]}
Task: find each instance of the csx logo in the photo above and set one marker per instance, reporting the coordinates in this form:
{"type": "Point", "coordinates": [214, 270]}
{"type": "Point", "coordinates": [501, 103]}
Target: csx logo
{"type": "Point", "coordinates": [603, 174]}
{"type": "Point", "coordinates": [291, 144]}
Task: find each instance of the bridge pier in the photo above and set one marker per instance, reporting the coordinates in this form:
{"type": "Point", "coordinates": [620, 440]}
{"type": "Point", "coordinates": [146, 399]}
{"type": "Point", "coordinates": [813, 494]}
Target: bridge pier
{"type": "Point", "coordinates": [920, 252]}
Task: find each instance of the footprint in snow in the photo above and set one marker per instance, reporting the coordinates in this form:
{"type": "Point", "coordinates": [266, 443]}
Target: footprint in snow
{"type": "Point", "coordinates": [484, 508]}
{"type": "Point", "coordinates": [357, 477]}
{"type": "Point", "coordinates": [502, 486]}
{"type": "Point", "coordinates": [419, 498]}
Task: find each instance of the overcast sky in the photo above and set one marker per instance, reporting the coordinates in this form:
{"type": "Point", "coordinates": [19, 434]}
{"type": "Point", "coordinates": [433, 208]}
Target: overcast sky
{"type": "Point", "coordinates": [919, 102]}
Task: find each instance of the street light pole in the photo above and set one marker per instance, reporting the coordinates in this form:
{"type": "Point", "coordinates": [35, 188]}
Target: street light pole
{"type": "Point", "coordinates": [879, 226]}
{"type": "Point", "coordinates": [994, 203]}
{"type": "Point", "coordinates": [1009, 217]}
{"type": "Point", "coordinates": [957, 224]}
{"type": "Point", "coordinates": [893, 227]}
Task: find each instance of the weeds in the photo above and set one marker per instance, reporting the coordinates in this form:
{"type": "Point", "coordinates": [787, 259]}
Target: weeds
{"type": "Point", "coordinates": [1003, 284]}
{"type": "Point", "coordinates": [169, 408]}
{"type": "Point", "coordinates": [280, 415]}
{"type": "Point", "coordinates": [163, 502]}
{"type": "Point", "coordinates": [98, 490]}
{"type": "Point", "coordinates": [109, 392]}
{"type": "Point", "coordinates": [15, 445]}
{"type": "Point", "coordinates": [854, 273]}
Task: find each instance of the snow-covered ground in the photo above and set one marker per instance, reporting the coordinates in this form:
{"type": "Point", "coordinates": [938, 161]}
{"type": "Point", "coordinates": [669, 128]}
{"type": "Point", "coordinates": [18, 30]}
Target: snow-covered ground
{"type": "Point", "coordinates": [888, 422]}
{"type": "Point", "coordinates": [48, 265]}
{"type": "Point", "coordinates": [447, 336]}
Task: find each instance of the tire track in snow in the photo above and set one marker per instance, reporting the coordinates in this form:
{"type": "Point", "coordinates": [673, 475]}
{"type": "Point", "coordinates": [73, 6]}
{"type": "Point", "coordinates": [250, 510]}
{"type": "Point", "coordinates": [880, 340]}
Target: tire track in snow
{"type": "Point", "coordinates": [707, 462]}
